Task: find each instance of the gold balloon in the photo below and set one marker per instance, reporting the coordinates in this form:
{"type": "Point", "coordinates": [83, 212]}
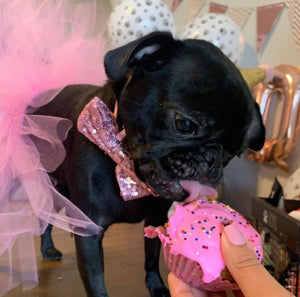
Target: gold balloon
{"type": "Point", "coordinates": [283, 122]}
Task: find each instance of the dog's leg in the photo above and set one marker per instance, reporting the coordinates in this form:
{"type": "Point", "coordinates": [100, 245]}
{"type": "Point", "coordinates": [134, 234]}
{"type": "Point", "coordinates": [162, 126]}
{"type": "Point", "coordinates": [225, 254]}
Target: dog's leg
{"type": "Point", "coordinates": [90, 263]}
{"type": "Point", "coordinates": [48, 249]}
{"type": "Point", "coordinates": [154, 281]}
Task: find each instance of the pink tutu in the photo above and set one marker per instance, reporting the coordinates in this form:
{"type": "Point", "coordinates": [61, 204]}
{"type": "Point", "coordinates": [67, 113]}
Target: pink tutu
{"type": "Point", "coordinates": [44, 45]}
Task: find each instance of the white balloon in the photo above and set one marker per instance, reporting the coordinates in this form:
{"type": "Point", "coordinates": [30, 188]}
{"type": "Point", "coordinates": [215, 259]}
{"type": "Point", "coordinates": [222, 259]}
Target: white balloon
{"type": "Point", "coordinates": [132, 19]}
{"type": "Point", "coordinates": [218, 29]}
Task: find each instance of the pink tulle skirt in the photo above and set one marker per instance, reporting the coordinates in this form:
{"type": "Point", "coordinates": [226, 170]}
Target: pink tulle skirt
{"type": "Point", "coordinates": [44, 45]}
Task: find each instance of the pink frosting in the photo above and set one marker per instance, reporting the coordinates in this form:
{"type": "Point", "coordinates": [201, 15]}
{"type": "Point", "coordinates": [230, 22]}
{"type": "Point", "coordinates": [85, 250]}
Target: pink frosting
{"type": "Point", "coordinates": [194, 231]}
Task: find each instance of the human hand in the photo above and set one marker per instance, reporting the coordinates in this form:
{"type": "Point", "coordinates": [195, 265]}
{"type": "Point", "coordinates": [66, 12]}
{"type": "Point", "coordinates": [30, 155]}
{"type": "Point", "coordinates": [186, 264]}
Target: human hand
{"type": "Point", "coordinates": [251, 276]}
{"type": "Point", "coordinates": [178, 288]}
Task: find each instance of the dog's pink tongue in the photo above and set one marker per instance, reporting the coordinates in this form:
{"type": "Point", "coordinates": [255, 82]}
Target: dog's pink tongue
{"type": "Point", "coordinates": [197, 190]}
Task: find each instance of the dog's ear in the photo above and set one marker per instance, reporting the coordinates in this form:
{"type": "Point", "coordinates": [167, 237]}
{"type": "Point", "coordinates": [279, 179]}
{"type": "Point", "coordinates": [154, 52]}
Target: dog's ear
{"type": "Point", "coordinates": [149, 52]}
{"type": "Point", "coordinates": [255, 135]}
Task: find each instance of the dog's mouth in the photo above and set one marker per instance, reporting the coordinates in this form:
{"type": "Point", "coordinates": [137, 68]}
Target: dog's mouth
{"type": "Point", "coordinates": [197, 190]}
{"type": "Point", "coordinates": [179, 176]}
{"type": "Point", "coordinates": [182, 190]}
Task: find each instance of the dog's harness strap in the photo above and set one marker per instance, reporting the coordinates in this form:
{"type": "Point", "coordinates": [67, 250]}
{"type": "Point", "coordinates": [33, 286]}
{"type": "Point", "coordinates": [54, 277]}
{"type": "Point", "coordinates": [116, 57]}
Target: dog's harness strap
{"type": "Point", "coordinates": [99, 125]}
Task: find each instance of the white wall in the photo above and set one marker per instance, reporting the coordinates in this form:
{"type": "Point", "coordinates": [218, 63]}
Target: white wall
{"type": "Point", "coordinates": [244, 179]}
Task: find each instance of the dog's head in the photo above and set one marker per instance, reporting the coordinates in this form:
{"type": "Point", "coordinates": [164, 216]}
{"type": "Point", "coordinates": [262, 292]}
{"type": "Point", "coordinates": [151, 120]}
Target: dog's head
{"type": "Point", "coordinates": [186, 110]}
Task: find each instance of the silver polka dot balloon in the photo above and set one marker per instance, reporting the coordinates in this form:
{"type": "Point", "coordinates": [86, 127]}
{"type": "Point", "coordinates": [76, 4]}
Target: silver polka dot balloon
{"type": "Point", "coordinates": [218, 29]}
{"type": "Point", "coordinates": [132, 19]}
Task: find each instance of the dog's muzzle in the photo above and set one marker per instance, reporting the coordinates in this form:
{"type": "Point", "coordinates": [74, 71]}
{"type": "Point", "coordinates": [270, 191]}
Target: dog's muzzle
{"type": "Point", "coordinates": [165, 173]}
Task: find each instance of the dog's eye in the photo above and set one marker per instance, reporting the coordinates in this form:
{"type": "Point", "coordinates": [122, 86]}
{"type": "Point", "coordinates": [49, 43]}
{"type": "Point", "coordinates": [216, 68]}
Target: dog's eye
{"type": "Point", "coordinates": [184, 125]}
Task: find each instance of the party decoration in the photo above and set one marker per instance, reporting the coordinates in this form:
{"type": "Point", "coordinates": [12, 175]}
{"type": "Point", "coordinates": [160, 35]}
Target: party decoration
{"type": "Point", "coordinates": [239, 14]}
{"type": "Point", "coordinates": [218, 29]}
{"type": "Point", "coordinates": [133, 19]}
{"type": "Point", "coordinates": [293, 9]}
{"type": "Point", "coordinates": [253, 76]}
{"type": "Point", "coordinates": [283, 136]}
{"type": "Point", "coordinates": [266, 19]}
{"type": "Point", "coordinates": [217, 8]}
{"type": "Point", "coordinates": [194, 7]}
{"type": "Point", "coordinates": [175, 4]}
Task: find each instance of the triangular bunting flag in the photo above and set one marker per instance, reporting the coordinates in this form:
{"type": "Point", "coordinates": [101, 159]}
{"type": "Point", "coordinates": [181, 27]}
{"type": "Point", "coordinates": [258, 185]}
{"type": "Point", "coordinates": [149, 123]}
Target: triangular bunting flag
{"type": "Point", "coordinates": [175, 4]}
{"type": "Point", "coordinates": [266, 18]}
{"type": "Point", "coordinates": [293, 8]}
{"type": "Point", "coordinates": [194, 7]}
{"type": "Point", "coordinates": [217, 8]}
{"type": "Point", "coordinates": [239, 15]}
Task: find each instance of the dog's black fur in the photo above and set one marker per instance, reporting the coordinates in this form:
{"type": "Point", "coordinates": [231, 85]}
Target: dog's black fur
{"type": "Point", "coordinates": [186, 111]}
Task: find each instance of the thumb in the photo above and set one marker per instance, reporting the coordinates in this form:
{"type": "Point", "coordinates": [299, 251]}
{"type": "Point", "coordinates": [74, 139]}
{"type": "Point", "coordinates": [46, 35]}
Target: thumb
{"type": "Point", "coordinates": [251, 276]}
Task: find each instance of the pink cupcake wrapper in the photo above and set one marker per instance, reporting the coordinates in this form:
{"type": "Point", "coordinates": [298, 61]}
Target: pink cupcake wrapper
{"type": "Point", "coordinates": [191, 273]}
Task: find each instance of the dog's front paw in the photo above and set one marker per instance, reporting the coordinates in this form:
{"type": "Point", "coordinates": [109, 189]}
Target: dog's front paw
{"type": "Point", "coordinates": [156, 286]}
{"type": "Point", "coordinates": [51, 254]}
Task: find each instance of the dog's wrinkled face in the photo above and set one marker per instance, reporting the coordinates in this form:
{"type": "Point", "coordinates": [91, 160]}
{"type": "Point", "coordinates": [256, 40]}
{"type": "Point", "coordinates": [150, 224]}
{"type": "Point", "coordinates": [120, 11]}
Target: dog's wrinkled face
{"type": "Point", "coordinates": [186, 111]}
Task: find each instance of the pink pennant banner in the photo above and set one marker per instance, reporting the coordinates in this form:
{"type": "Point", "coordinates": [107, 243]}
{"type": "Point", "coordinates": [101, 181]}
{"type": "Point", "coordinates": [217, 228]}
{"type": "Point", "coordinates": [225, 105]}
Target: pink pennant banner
{"type": "Point", "coordinates": [239, 15]}
{"type": "Point", "coordinates": [217, 8]}
{"type": "Point", "coordinates": [293, 9]}
{"type": "Point", "coordinates": [266, 18]}
{"type": "Point", "coordinates": [175, 4]}
{"type": "Point", "coordinates": [194, 7]}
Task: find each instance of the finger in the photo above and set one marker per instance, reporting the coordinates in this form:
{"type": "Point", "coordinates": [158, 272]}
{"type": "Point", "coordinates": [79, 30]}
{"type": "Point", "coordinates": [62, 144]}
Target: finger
{"type": "Point", "coordinates": [251, 276]}
{"type": "Point", "coordinates": [178, 288]}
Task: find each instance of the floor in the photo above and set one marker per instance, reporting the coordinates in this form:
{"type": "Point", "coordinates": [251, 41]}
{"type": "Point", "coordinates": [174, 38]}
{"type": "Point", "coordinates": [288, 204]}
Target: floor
{"type": "Point", "coordinates": [124, 262]}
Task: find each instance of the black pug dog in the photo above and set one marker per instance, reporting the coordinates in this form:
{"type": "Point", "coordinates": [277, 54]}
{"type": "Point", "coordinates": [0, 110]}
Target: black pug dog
{"type": "Point", "coordinates": [186, 110]}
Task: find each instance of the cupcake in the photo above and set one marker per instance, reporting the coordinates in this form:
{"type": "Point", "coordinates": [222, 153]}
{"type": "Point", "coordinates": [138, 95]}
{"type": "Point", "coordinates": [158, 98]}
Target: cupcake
{"type": "Point", "coordinates": [192, 243]}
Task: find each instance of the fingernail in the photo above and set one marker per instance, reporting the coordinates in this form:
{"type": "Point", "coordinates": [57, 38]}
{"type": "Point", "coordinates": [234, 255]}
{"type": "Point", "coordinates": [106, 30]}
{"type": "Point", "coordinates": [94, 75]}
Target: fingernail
{"type": "Point", "coordinates": [234, 235]}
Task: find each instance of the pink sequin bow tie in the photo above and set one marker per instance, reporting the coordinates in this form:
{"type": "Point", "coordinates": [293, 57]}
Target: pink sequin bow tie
{"type": "Point", "coordinates": [99, 125]}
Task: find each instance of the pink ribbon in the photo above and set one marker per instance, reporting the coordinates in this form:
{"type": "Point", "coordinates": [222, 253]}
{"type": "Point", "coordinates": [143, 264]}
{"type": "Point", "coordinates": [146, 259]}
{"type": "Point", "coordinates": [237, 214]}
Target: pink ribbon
{"type": "Point", "coordinates": [99, 125]}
